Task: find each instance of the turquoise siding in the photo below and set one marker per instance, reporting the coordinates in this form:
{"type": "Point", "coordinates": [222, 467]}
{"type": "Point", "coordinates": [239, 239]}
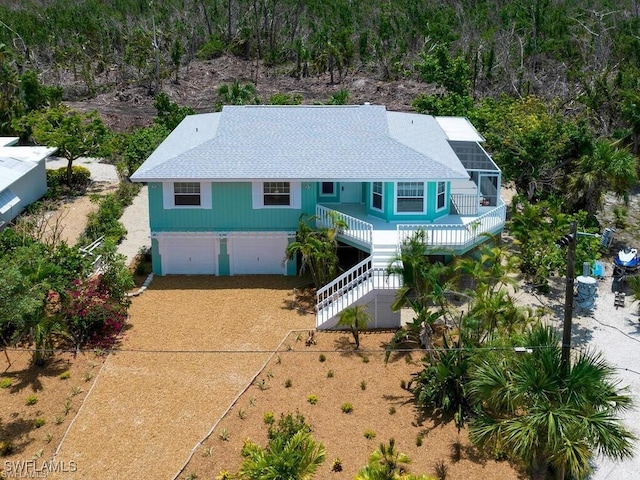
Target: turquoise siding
{"type": "Point", "coordinates": [329, 198]}
{"type": "Point", "coordinates": [388, 202]}
{"type": "Point", "coordinates": [231, 210]}
{"type": "Point", "coordinates": [155, 258]}
{"type": "Point", "coordinates": [292, 267]}
{"type": "Point", "coordinates": [224, 263]}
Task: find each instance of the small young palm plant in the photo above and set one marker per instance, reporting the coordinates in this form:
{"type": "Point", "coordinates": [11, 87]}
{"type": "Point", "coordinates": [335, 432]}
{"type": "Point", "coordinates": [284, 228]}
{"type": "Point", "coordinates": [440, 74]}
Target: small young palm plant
{"type": "Point", "coordinates": [356, 318]}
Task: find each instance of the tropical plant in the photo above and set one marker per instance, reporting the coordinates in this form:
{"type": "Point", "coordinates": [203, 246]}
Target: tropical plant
{"type": "Point", "coordinates": [440, 387]}
{"type": "Point", "coordinates": [385, 463]}
{"type": "Point", "coordinates": [237, 94]}
{"type": "Point", "coordinates": [291, 453]}
{"type": "Point", "coordinates": [608, 168]}
{"type": "Point", "coordinates": [356, 317]}
{"type": "Point", "coordinates": [424, 283]}
{"type": "Point", "coordinates": [536, 228]}
{"type": "Point", "coordinates": [318, 248]}
{"type": "Point", "coordinates": [544, 415]}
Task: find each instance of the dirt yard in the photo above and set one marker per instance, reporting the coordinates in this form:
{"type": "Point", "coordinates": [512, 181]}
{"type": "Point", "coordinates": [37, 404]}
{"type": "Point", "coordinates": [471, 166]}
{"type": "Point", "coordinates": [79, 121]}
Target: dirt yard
{"type": "Point", "coordinates": [381, 408]}
{"type": "Point", "coordinates": [193, 345]}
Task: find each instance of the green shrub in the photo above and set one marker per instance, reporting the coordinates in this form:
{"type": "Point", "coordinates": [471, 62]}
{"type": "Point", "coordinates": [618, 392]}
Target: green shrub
{"type": "Point", "coordinates": [363, 385]}
{"type": "Point", "coordinates": [287, 383]}
{"type": "Point", "coordinates": [126, 192]}
{"type": "Point", "coordinates": [322, 358]}
{"type": "Point", "coordinates": [392, 410]}
{"type": "Point", "coordinates": [419, 439]}
{"type": "Point", "coordinates": [312, 399]}
{"type": "Point", "coordinates": [31, 400]}
{"type": "Point", "coordinates": [347, 408]}
{"type": "Point", "coordinates": [105, 222]}
{"type": "Point", "coordinates": [269, 418]}
{"type": "Point", "coordinates": [330, 374]}
{"type": "Point", "coordinates": [39, 422]}
{"type": "Point", "coordinates": [6, 383]}
{"type": "Point", "coordinates": [57, 181]}
{"type": "Point", "coordinates": [369, 434]}
{"type": "Point", "coordinates": [212, 48]}
{"type": "Point", "coordinates": [336, 465]}
{"type": "Point", "coordinates": [288, 426]}
{"type": "Point", "coordinates": [65, 375]}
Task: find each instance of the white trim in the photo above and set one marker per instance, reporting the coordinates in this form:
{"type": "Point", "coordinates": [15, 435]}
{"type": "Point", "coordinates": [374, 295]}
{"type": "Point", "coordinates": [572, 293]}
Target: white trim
{"type": "Point", "coordinates": [257, 196]}
{"type": "Point", "coordinates": [168, 200]}
{"type": "Point", "coordinates": [424, 199]}
{"type": "Point", "coordinates": [444, 194]}
{"type": "Point", "coordinates": [381, 209]}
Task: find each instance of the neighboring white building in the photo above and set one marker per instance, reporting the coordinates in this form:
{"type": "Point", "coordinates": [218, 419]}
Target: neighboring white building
{"type": "Point", "coordinates": [23, 177]}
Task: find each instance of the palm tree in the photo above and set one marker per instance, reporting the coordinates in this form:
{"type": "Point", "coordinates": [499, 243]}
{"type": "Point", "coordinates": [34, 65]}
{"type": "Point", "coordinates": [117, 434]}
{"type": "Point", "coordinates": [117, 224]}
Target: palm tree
{"type": "Point", "coordinates": [608, 168]}
{"type": "Point", "coordinates": [356, 318]}
{"type": "Point", "coordinates": [541, 415]}
{"type": "Point", "coordinates": [237, 94]}
{"type": "Point", "coordinates": [318, 248]}
{"type": "Point", "coordinates": [294, 458]}
{"type": "Point", "coordinates": [386, 463]}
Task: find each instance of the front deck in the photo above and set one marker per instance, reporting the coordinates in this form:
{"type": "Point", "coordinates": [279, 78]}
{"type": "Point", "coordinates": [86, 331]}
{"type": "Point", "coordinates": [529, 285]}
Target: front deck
{"type": "Point", "coordinates": [451, 234]}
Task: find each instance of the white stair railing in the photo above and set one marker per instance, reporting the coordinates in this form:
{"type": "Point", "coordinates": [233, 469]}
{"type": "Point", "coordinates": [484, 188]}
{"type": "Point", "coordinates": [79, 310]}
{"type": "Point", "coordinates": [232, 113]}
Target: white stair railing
{"type": "Point", "coordinates": [351, 286]}
{"type": "Point", "coordinates": [357, 229]}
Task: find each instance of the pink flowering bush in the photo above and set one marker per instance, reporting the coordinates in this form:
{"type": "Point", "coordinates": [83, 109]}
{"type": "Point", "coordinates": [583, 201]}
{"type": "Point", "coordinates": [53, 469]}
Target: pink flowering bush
{"type": "Point", "coordinates": [92, 316]}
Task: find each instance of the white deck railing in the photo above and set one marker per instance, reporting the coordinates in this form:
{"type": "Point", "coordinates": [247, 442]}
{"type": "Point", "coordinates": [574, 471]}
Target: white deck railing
{"type": "Point", "coordinates": [357, 229]}
{"type": "Point", "coordinates": [351, 286]}
{"type": "Point", "coordinates": [455, 235]}
{"type": "Point", "coordinates": [465, 204]}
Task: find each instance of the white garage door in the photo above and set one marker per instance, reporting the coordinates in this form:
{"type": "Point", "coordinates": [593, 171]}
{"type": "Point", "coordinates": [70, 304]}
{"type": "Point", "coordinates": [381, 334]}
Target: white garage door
{"type": "Point", "coordinates": [258, 255]}
{"type": "Point", "coordinates": [194, 256]}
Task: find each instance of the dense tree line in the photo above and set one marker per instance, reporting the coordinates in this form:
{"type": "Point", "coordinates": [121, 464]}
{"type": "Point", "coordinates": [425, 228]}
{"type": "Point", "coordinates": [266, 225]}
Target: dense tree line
{"type": "Point", "coordinates": [553, 47]}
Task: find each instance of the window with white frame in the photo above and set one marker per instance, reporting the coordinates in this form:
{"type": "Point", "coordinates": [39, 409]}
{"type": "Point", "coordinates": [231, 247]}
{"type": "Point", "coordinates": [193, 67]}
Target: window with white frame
{"type": "Point", "coordinates": [410, 197]}
{"type": "Point", "coordinates": [276, 194]}
{"type": "Point", "coordinates": [186, 194]}
{"type": "Point", "coordinates": [327, 189]}
{"type": "Point", "coordinates": [376, 195]}
{"type": "Point", "coordinates": [441, 198]}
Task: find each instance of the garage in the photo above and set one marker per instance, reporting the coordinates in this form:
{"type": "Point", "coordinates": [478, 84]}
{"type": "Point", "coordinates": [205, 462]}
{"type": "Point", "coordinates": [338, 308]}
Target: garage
{"type": "Point", "coordinates": [257, 254]}
{"type": "Point", "coordinates": [189, 256]}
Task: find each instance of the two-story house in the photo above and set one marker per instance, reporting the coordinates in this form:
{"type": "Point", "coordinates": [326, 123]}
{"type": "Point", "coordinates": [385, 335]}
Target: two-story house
{"type": "Point", "coordinates": [226, 191]}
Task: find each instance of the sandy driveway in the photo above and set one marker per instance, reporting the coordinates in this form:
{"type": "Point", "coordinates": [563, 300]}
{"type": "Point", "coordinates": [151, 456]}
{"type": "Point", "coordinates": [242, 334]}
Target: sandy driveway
{"type": "Point", "coordinates": [159, 395]}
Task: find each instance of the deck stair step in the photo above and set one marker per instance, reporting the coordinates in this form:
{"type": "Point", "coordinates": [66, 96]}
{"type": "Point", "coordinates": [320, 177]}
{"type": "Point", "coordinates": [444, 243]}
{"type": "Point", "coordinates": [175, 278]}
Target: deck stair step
{"type": "Point", "coordinates": [353, 287]}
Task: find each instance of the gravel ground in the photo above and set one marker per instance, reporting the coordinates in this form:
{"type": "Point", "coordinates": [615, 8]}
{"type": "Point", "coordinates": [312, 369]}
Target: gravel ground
{"type": "Point", "coordinates": [100, 172]}
{"type": "Point", "coordinates": [614, 332]}
{"type": "Point", "coordinates": [136, 220]}
{"type": "Point", "coordinates": [135, 217]}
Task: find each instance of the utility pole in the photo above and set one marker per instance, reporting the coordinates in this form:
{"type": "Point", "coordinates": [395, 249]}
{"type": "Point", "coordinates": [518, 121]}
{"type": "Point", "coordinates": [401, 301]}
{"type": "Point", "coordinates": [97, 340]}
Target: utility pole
{"type": "Point", "coordinates": [570, 242]}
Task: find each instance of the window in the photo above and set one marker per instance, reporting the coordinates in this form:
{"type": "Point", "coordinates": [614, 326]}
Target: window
{"type": "Point", "coordinates": [376, 195]}
{"type": "Point", "coordinates": [442, 190]}
{"type": "Point", "coordinates": [410, 197]}
{"type": "Point", "coordinates": [177, 195]}
{"type": "Point", "coordinates": [328, 189]}
{"type": "Point", "coordinates": [186, 194]}
{"type": "Point", "coordinates": [277, 194]}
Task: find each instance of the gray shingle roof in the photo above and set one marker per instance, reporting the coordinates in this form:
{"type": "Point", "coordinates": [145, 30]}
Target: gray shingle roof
{"type": "Point", "coordinates": [349, 143]}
